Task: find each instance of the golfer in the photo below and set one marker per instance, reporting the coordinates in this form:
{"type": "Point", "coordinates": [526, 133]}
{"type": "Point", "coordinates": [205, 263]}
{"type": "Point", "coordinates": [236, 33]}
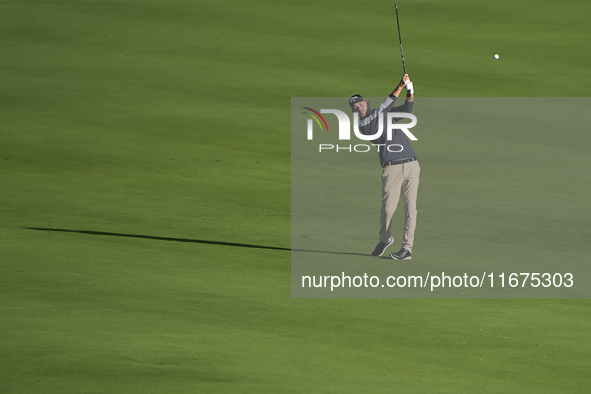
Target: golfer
{"type": "Point", "coordinates": [400, 175]}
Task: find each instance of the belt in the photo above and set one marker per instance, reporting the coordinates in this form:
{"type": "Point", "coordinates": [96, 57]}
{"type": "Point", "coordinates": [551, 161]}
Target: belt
{"type": "Point", "coordinates": [399, 161]}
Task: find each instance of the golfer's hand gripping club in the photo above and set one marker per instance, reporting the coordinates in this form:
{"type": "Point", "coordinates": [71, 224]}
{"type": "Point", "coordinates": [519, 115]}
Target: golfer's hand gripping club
{"type": "Point", "coordinates": [409, 87]}
{"type": "Point", "coordinates": [406, 83]}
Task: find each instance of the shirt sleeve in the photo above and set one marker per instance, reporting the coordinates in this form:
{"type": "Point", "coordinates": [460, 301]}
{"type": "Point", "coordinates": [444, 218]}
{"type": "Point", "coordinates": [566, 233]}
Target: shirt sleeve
{"type": "Point", "coordinates": [406, 107]}
{"type": "Point", "coordinates": [370, 124]}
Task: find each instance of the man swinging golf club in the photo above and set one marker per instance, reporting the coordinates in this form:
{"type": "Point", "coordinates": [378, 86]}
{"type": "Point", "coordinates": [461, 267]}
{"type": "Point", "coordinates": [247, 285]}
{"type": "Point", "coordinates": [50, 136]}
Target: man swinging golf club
{"type": "Point", "coordinates": [400, 174]}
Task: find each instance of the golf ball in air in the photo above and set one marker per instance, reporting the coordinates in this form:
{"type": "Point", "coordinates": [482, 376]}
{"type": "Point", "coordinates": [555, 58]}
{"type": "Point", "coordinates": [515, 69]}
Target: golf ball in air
{"type": "Point", "coordinates": [496, 55]}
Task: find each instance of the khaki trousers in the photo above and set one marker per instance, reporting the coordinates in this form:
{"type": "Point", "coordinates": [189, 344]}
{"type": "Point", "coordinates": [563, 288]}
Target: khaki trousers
{"type": "Point", "coordinates": [400, 179]}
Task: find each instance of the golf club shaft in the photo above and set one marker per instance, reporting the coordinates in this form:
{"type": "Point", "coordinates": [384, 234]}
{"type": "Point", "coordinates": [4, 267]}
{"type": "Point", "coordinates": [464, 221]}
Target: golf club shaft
{"type": "Point", "coordinates": [400, 38]}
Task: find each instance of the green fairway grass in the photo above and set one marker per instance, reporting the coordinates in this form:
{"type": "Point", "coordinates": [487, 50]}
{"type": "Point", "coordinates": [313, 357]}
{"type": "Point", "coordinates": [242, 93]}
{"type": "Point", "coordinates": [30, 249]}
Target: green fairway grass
{"type": "Point", "coordinates": [145, 197]}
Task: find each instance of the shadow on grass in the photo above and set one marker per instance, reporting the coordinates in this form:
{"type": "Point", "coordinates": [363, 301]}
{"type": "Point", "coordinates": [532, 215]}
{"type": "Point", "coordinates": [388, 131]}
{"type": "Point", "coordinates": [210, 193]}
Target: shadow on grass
{"type": "Point", "coordinates": [197, 241]}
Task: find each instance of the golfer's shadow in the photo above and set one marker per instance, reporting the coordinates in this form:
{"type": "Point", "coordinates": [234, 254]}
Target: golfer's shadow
{"type": "Point", "coordinates": [196, 241]}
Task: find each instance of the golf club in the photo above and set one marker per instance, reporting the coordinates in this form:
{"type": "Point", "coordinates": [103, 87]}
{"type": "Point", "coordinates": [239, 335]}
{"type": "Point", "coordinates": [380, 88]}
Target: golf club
{"type": "Point", "coordinates": [400, 38]}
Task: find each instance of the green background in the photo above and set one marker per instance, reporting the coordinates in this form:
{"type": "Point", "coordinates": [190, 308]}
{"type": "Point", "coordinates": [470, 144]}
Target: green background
{"type": "Point", "coordinates": [157, 133]}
